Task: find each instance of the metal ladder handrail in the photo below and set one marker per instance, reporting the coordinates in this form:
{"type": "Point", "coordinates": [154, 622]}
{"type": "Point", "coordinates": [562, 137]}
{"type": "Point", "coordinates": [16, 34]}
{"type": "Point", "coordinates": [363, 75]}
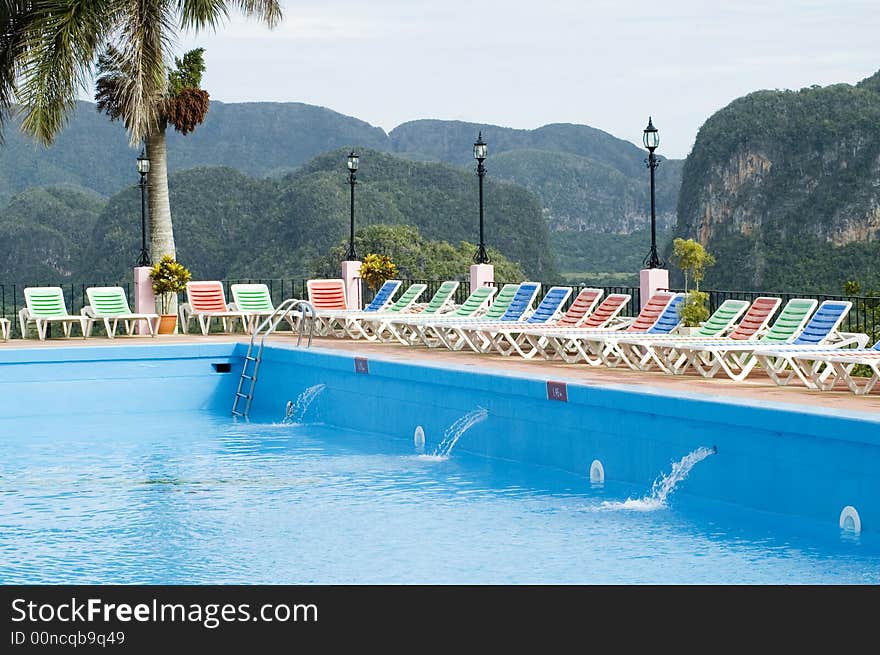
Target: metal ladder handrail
{"type": "Point", "coordinates": [264, 329]}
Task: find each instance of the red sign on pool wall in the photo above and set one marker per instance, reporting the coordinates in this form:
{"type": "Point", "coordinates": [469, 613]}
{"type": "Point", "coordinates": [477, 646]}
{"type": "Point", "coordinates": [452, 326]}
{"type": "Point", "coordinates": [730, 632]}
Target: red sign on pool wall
{"type": "Point", "coordinates": [361, 365]}
{"type": "Point", "coordinates": [557, 391]}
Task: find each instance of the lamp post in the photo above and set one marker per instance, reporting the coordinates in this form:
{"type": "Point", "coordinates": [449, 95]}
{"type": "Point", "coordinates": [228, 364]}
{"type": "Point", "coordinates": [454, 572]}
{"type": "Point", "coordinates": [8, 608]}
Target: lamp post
{"type": "Point", "coordinates": [480, 152]}
{"type": "Point", "coordinates": [352, 163]}
{"type": "Point", "coordinates": [651, 139]}
{"type": "Point", "coordinates": [143, 168]}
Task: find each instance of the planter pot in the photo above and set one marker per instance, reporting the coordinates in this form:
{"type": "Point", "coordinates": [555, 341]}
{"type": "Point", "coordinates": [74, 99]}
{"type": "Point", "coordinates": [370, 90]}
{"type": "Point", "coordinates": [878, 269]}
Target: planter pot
{"type": "Point", "coordinates": [167, 323]}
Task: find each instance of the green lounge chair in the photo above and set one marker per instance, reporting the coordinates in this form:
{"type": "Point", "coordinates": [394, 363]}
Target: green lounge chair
{"type": "Point", "coordinates": [255, 300]}
{"type": "Point", "coordinates": [44, 306]}
{"type": "Point", "coordinates": [109, 304]}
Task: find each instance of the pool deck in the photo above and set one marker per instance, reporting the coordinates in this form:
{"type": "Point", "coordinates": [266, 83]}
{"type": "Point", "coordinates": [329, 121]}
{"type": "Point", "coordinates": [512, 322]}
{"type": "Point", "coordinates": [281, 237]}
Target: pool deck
{"type": "Point", "coordinates": [757, 387]}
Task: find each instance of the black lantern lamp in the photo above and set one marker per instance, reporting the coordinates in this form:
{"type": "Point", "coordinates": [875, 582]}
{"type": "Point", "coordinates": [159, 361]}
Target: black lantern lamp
{"type": "Point", "coordinates": [352, 163]}
{"type": "Point", "coordinates": [651, 139]}
{"type": "Point", "coordinates": [481, 150]}
{"type": "Point", "coordinates": [143, 168]}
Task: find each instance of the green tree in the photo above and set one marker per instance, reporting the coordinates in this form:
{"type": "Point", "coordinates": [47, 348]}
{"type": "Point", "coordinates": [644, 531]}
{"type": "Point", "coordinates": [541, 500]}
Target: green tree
{"type": "Point", "coordinates": [692, 259]}
{"type": "Point", "coordinates": [48, 51]}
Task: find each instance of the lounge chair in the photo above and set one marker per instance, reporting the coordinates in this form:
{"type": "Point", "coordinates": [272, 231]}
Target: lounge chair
{"type": "Point", "coordinates": [109, 305]}
{"type": "Point", "coordinates": [571, 346]}
{"type": "Point", "coordinates": [256, 301]}
{"type": "Point", "coordinates": [602, 347]}
{"type": "Point", "coordinates": [329, 320]}
{"type": "Point", "coordinates": [528, 344]}
{"type": "Point", "coordinates": [823, 368]}
{"type": "Point", "coordinates": [736, 358]}
{"type": "Point", "coordinates": [347, 324]}
{"type": "Point", "coordinates": [428, 331]}
{"type": "Point", "coordinates": [374, 326]}
{"type": "Point", "coordinates": [44, 306]}
{"type": "Point", "coordinates": [327, 294]}
{"type": "Point", "coordinates": [409, 329]}
{"type": "Point", "coordinates": [481, 337]}
{"type": "Point", "coordinates": [647, 351]}
{"type": "Point", "coordinates": [4, 328]}
{"type": "Point", "coordinates": [438, 332]}
{"type": "Point", "coordinates": [206, 301]}
{"type": "Point", "coordinates": [469, 333]}
{"type": "Point", "coordinates": [822, 333]}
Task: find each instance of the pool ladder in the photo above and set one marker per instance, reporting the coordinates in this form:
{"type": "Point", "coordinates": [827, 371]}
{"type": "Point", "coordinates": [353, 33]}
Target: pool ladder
{"type": "Point", "coordinates": [255, 350]}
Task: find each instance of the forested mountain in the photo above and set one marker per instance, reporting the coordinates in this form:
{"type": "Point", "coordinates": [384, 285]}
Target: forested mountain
{"type": "Point", "coordinates": [228, 224]}
{"type": "Point", "coordinates": [259, 139]}
{"type": "Point", "coordinates": [782, 187]}
{"type": "Point", "coordinates": [586, 180]}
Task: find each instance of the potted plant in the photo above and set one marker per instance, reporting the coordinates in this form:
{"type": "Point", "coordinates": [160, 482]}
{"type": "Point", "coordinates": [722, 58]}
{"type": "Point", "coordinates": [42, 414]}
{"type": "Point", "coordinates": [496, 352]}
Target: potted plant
{"type": "Point", "coordinates": [692, 259]}
{"type": "Point", "coordinates": [169, 278]}
{"type": "Point", "coordinates": [376, 269]}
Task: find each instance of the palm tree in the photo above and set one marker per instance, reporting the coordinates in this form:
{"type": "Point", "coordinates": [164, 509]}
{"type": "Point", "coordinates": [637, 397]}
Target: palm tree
{"type": "Point", "coordinates": [49, 50]}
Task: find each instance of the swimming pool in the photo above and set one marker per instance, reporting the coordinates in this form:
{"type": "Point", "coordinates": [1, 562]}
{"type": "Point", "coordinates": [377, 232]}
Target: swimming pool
{"type": "Point", "coordinates": [127, 468]}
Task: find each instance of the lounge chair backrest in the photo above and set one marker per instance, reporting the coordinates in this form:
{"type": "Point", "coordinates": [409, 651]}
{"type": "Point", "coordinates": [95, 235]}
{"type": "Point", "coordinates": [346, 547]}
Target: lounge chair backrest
{"type": "Point", "coordinates": [108, 301]}
{"type": "Point", "coordinates": [522, 301]}
{"type": "Point", "coordinates": [670, 318]}
{"type": "Point", "coordinates": [441, 297]}
{"type": "Point", "coordinates": [44, 302]}
{"type": "Point", "coordinates": [252, 297]}
{"type": "Point", "coordinates": [756, 318]}
{"type": "Point", "coordinates": [502, 301]}
{"type": "Point", "coordinates": [383, 296]}
{"type": "Point", "coordinates": [206, 296]}
{"type": "Point", "coordinates": [722, 318]}
{"type": "Point", "coordinates": [327, 294]}
{"type": "Point", "coordinates": [791, 320]}
{"type": "Point", "coordinates": [823, 323]}
{"type": "Point", "coordinates": [479, 297]}
{"type": "Point", "coordinates": [582, 305]}
{"type": "Point", "coordinates": [651, 312]}
{"type": "Point", "coordinates": [550, 305]}
{"type": "Point", "coordinates": [606, 311]}
{"type": "Point", "coordinates": [408, 297]}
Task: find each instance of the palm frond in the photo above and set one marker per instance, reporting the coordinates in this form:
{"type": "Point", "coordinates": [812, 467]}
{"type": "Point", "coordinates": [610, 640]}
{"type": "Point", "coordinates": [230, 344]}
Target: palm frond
{"type": "Point", "coordinates": [268, 11]}
{"type": "Point", "coordinates": [200, 14]}
{"type": "Point", "coordinates": [147, 30]}
{"type": "Point", "coordinates": [59, 43]}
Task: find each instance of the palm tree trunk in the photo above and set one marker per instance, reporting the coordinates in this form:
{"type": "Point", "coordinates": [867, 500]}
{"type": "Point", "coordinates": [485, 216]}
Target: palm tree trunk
{"type": "Point", "coordinates": [161, 230]}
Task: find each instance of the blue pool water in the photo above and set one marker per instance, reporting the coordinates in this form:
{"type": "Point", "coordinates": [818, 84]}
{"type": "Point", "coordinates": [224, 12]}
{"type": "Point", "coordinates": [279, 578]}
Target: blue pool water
{"type": "Point", "coordinates": [192, 497]}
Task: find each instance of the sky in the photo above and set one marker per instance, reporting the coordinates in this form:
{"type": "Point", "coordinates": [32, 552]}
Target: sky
{"type": "Point", "coordinates": [607, 64]}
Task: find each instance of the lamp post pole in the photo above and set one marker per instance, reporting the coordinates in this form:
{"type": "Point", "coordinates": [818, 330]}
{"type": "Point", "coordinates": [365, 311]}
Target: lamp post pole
{"type": "Point", "coordinates": [480, 152]}
{"type": "Point", "coordinates": [351, 254]}
{"type": "Point", "coordinates": [651, 138]}
{"type": "Point", "coordinates": [143, 167]}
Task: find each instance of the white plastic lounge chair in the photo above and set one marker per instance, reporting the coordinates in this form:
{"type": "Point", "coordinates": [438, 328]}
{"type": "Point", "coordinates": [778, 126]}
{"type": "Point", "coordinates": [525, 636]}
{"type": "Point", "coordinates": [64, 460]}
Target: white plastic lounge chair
{"type": "Point", "coordinates": [256, 301]}
{"type": "Point", "coordinates": [737, 360]}
{"type": "Point", "coordinates": [109, 305]}
{"type": "Point", "coordinates": [206, 301]}
{"type": "Point", "coordinates": [4, 328]}
{"type": "Point", "coordinates": [373, 327]}
{"type": "Point", "coordinates": [823, 368]}
{"type": "Point", "coordinates": [348, 324]}
{"type": "Point", "coordinates": [409, 330]}
{"type": "Point", "coordinates": [648, 351]}
{"type": "Point", "coordinates": [573, 346]}
{"type": "Point", "coordinates": [44, 306]}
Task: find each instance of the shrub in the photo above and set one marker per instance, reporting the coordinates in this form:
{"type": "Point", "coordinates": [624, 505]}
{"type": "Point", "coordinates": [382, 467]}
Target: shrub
{"type": "Point", "coordinates": [693, 310]}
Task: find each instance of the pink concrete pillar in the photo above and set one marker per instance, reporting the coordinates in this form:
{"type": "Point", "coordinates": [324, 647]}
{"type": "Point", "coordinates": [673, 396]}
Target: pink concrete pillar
{"type": "Point", "coordinates": [351, 273]}
{"type": "Point", "coordinates": [652, 280]}
{"type": "Point", "coordinates": [481, 275]}
{"type": "Point", "coordinates": [144, 300]}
